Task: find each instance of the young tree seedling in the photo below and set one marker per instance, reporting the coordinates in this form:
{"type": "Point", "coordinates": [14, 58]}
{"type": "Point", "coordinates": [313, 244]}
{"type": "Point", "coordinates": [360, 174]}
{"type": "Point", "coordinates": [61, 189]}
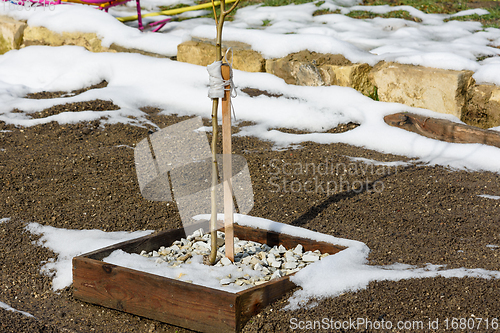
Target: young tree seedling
{"type": "Point", "coordinates": [228, 215]}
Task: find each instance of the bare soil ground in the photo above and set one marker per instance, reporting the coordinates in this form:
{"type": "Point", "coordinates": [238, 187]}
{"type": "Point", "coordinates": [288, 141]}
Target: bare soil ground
{"type": "Point", "coordinates": [82, 176]}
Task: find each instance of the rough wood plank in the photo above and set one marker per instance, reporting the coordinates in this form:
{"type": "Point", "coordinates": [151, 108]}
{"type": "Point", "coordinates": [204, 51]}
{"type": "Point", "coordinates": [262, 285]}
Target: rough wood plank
{"type": "Point", "coordinates": [227, 165]}
{"type": "Point", "coordinates": [444, 130]}
{"type": "Point", "coordinates": [155, 297]}
{"type": "Point", "coordinates": [251, 301]}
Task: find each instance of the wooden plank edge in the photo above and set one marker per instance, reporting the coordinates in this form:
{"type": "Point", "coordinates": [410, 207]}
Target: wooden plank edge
{"type": "Point", "coordinates": [251, 301]}
{"type": "Point", "coordinates": [152, 296]}
{"type": "Point", "coordinates": [274, 238]}
{"type": "Point", "coordinates": [442, 129]}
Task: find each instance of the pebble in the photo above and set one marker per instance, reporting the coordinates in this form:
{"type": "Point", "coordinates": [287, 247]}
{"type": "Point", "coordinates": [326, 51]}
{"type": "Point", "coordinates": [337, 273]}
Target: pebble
{"type": "Point", "coordinates": [240, 282]}
{"type": "Point", "coordinates": [276, 264]}
{"type": "Point", "coordinates": [258, 267]}
{"type": "Point", "coordinates": [246, 260]}
{"type": "Point", "coordinates": [164, 251]}
{"type": "Point", "coordinates": [276, 275]}
{"type": "Point", "coordinates": [254, 260]}
{"type": "Point", "coordinates": [185, 257]}
{"type": "Point", "coordinates": [272, 262]}
{"type": "Point", "coordinates": [226, 261]}
{"type": "Point", "coordinates": [310, 257]}
{"type": "Point", "coordinates": [225, 281]}
{"type": "Point", "coordinates": [298, 249]}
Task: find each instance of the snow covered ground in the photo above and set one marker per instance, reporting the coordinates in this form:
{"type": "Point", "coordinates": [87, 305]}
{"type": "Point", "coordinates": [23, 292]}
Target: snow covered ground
{"type": "Point", "coordinates": [432, 42]}
{"type": "Point", "coordinates": [180, 88]}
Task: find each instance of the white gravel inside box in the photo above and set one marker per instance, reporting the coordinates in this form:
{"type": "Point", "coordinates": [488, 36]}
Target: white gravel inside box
{"type": "Point", "coordinates": [254, 263]}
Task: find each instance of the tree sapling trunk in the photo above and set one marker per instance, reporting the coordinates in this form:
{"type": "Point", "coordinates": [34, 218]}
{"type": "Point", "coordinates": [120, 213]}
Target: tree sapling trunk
{"type": "Point", "coordinates": [219, 21]}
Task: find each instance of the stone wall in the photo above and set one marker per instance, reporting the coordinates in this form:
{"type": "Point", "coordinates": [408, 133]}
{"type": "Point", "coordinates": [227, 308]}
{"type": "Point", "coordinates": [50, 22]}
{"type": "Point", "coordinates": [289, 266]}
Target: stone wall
{"type": "Point", "coordinates": [444, 91]}
{"type": "Point", "coordinates": [440, 90]}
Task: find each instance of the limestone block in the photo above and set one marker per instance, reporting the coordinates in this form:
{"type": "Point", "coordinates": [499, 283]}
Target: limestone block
{"type": "Point", "coordinates": [440, 90]}
{"type": "Point", "coordinates": [295, 72]}
{"type": "Point", "coordinates": [354, 76]}
{"type": "Point", "coordinates": [248, 61]}
{"type": "Point", "coordinates": [307, 68]}
{"type": "Point", "coordinates": [11, 33]}
{"type": "Point", "coordinates": [483, 107]}
{"type": "Point", "coordinates": [203, 53]}
{"type": "Point", "coordinates": [44, 36]}
{"type": "Point", "coordinates": [196, 53]}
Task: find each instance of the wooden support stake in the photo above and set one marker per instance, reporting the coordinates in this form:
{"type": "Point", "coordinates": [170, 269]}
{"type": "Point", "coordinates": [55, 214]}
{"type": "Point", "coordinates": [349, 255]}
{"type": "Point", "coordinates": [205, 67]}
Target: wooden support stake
{"type": "Point", "coordinates": [227, 168]}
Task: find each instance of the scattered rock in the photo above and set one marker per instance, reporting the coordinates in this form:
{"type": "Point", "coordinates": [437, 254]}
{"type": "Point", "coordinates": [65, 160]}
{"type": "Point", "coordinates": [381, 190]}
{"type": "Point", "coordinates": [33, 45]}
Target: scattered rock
{"type": "Point", "coordinates": [225, 282]}
{"type": "Point", "coordinates": [226, 261]}
{"type": "Point", "coordinates": [277, 274]}
{"type": "Point", "coordinates": [310, 257]}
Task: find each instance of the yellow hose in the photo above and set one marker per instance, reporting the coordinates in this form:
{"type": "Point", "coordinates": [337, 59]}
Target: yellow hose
{"type": "Point", "coordinates": [172, 11]}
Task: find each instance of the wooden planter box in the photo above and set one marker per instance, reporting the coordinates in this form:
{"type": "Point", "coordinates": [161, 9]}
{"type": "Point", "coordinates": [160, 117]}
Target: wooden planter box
{"type": "Point", "coordinates": [176, 302]}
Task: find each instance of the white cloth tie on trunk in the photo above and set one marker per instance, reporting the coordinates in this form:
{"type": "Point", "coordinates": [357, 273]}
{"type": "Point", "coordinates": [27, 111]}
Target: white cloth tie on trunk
{"type": "Point", "coordinates": [217, 85]}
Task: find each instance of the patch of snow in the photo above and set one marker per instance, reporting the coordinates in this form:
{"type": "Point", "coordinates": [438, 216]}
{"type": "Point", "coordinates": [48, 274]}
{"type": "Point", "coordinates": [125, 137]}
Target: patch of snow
{"type": "Point", "coordinates": [487, 196]}
{"type": "Point", "coordinates": [124, 146]}
{"type": "Point", "coordinates": [10, 308]}
{"type": "Point", "coordinates": [379, 163]}
{"type": "Point", "coordinates": [349, 271]}
{"type": "Point", "coordinates": [4, 220]}
{"type": "Point", "coordinates": [206, 129]}
{"type": "Point", "coordinates": [67, 244]}
{"type": "Point", "coordinates": [475, 11]}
